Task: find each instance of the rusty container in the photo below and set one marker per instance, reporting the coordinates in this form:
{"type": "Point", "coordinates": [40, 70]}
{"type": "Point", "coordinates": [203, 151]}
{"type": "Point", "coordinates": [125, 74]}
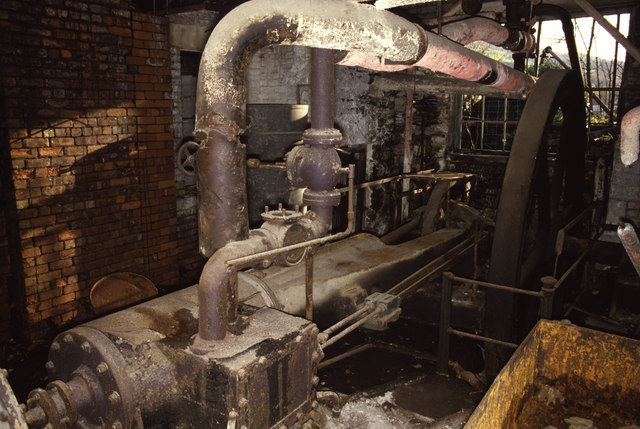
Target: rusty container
{"type": "Point", "coordinates": [560, 372]}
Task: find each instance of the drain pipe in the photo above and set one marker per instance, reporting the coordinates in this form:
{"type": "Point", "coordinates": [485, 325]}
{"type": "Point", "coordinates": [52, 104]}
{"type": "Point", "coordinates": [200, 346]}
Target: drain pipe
{"type": "Point", "coordinates": [629, 135]}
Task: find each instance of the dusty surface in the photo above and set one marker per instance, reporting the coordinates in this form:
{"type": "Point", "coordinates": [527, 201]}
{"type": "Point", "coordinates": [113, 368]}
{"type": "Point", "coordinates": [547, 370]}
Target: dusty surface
{"type": "Point", "coordinates": [607, 408]}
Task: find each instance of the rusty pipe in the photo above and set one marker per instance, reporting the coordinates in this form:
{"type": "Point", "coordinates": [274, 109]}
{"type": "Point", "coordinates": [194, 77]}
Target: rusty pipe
{"type": "Point", "coordinates": [629, 136]}
{"type": "Point", "coordinates": [322, 88]}
{"type": "Point", "coordinates": [221, 93]}
{"type": "Point", "coordinates": [446, 56]}
{"type": "Point", "coordinates": [215, 290]}
{"type": "Point", "coordinates": [629, 240]}
{"type": "Point", "coordinates": [246, 261]}
{"type": "Point", "coordinates": [476, 29]}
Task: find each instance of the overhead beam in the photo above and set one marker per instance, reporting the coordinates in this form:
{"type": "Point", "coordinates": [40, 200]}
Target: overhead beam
{"type": "Point", "coordinates": [592, 11]}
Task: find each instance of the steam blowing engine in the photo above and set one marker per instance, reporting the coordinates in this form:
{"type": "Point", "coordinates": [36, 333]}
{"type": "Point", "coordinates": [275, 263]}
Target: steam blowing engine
{"type": "Point", "coordinates": [240, 349]}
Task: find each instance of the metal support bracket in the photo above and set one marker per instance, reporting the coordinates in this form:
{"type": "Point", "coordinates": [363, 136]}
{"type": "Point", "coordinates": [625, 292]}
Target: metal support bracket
{"type": "Point", "coordinates": [390, 313]}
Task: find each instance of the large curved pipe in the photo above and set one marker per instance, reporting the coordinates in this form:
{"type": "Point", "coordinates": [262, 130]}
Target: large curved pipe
{"type": "Point", "coordinates": [221, 95]}
{"type": "Point", "coordinates": [214, 289]}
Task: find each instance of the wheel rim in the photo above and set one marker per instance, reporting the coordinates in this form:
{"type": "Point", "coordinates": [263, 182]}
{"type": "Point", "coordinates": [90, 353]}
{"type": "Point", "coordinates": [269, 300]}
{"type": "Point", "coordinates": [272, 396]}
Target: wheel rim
{"type": "Point", "coordinates": [537, 197]}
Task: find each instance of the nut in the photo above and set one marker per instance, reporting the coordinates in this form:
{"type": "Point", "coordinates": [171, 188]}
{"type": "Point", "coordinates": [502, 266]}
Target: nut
{"type": "Point", "coordinates": [116, 425]}
{"type": "Point", "coordinates": [102, 367]}
{"type": "Point", "coordinates": [114, 398]}
{"type": "Point", "coordinates": [55, 346]}
{"type": "Point", "coordinates": [68, 339]}
{"type": "Point", "coordinates": [49, 366]}
{"type": "Point", "coordinates": [86, 347]}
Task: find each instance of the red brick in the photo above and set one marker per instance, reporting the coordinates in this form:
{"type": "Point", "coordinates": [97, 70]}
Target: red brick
{"type": "Point", "coordinates": [51, 151]}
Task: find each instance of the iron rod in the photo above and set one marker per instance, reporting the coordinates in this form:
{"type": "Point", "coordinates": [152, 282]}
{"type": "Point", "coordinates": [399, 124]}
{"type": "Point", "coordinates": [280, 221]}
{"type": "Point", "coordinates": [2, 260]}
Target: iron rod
{"type": "Point", "coordinates": [497, 286]}
{"type": "Point", "coordinates": [481, 338]}
{"type": "Point", "coordinates": [356, 315]}
{"type": "Point", "coordinates": [266, 255]}
{"type": "Point", "coordinates": [352, 328]}
{"type": "Point", "coordinates": [308, 285]}
{"type": "Point", "coordinates": [445, 322]}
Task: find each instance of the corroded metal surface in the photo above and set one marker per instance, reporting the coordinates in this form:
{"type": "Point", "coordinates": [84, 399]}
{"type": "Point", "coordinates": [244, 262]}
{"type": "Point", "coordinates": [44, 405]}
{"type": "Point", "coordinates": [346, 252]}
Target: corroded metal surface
{"type": "Point", "coordinates": [584, 365]}
{"type": "Point", "coordinates": [221, 94]}
{"type": "Point", "coordinates": [474, 29]}
{"type": "Point", "coordinates": [630, 129]}
{"type": "Point", "coordinates": [629, 240]}
{"type": "Point", "coordinates": [446, 56]}
{"type": "Point", "coordinates": [143, 373]}
{"type": "Point", "coordinates": [534, 197]}
{"type": "Point", "coordinates": [10, 414]}
{"type": "Point", "coordinates": [119, 290]}
{"type": "Point", "coordinates": [348, 270]}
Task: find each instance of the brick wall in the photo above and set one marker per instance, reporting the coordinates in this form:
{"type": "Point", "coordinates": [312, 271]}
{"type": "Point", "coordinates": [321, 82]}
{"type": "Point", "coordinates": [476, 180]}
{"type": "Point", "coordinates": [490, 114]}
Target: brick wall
{"type": "Point", "coordinates": [87, 88]}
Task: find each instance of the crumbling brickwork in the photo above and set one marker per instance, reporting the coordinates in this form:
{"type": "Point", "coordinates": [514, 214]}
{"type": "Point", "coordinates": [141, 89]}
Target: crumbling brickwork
{"type": "Point", "coordinates": [87, 88]}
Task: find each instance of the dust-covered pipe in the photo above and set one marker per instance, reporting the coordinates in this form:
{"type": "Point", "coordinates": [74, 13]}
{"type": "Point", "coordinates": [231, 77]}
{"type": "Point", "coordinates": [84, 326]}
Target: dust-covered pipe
{"type": "Point", "coordinates": [221, 94]}
{"type": "Point", "coordinates": [629, 136]}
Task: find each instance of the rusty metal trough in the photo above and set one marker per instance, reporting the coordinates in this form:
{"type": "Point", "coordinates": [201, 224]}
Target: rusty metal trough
{"type": "Point", "coordinates": [562, 371]}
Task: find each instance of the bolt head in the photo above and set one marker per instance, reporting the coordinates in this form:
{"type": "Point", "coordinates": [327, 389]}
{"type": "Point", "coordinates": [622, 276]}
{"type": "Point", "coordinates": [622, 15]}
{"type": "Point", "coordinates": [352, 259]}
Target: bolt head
{"type": "Point", "coordinates": [68, 339]}
{"type": "Point", "coordinates": [116, 425]}
{"type": "Point", "coordinates": [114, 398]}
{"type": "Point", "coordinates": [55, 346]}
{"type": "Point", "coordinates": [49, 366]}
{"type": "Point", "coordinates": [86, 347]}
{"type": "Point", "coordinates": [102, 367]}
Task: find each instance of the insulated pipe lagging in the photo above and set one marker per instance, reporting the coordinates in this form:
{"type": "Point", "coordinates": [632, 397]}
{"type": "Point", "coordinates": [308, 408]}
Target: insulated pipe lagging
{"type": "Point", "coordinates": [476, 29]}
{"type": "Point", "coordinates": [221, 94]}
{"type": "Point", "coordinates": [448, 57]}
{"type": "Point", "coordinates": [629, 136]}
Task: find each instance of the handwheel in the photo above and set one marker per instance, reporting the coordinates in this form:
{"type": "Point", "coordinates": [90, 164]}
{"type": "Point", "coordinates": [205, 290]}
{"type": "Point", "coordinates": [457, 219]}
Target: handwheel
{"type": "Point", "coordinates": [539, 193]}
{"type": "Point", "coordinates": [187, 157]}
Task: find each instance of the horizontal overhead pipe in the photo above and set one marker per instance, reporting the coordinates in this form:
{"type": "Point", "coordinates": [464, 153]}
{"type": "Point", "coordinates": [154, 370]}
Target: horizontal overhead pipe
{"type": "Point", "coordinates": [629, 136]}
{"type": "Point", "coordinates": [221, 94]}
{"type": "Point", "coordinates": [490, 31]}
{"type": "Point", "coordinates": [448, 57]}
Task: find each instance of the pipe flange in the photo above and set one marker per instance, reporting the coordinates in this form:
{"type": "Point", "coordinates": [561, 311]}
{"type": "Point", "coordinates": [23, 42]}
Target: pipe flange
{"type": "Point", "coordinates": [63, 391]}
{"type": "Point", "coordinates": [281, 216]}
{"type": "Point", "coordinates": [322, 136]}
{"type": "Point", "coordinates": [88, 353]}
{"type": "Point", "coordinates": [321, 198]}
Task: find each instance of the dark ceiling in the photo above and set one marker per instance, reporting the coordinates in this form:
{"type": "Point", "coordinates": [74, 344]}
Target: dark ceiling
{"type": "Point", "coordinates": [421, 12]}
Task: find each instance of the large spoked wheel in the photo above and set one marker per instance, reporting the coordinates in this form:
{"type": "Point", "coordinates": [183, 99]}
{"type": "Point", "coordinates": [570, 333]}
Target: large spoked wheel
{"type": "Point", "coordinates": [542, 189]}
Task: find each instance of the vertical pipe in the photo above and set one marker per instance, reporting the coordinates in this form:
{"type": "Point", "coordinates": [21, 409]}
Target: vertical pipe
{"type": "Point", "coordinates": [322, 88]}
{"type": "Point", "coordinates": [406, 153]}
{"type": "Point", "coordinates": [482, 115]}
{"type": "Point", "coordinates": [546, 302]}
{"type": "Point", "coordinates": [308, 283]}
{"type": "Point", "coordinates": [445, 320]}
